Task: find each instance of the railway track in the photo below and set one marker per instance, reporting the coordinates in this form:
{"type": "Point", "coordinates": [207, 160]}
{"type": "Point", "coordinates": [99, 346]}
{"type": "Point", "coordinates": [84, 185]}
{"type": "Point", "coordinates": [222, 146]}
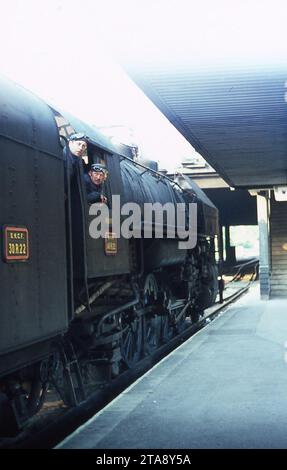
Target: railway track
{"type": "Point", "coordinates": [55, 421]}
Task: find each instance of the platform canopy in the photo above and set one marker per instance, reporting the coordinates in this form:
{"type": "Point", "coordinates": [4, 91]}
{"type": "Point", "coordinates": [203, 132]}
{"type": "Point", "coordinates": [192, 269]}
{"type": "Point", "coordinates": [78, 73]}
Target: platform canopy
{"type": "Point", "coordinates": [236, 119]}
{"type": "Point", "coordinates": [219, 74]}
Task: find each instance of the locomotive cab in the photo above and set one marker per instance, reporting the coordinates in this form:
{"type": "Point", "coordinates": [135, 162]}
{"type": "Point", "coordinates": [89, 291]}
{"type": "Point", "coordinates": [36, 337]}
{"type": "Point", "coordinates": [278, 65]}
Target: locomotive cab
{"type": "Point", "coordinates": [92, 256]}
{"type": "Point", "coordinates": [105, 255]}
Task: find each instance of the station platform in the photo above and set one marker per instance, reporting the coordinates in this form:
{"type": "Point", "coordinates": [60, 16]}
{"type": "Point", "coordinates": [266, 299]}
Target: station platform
{"type": "Point", "coordinates": [224, 388]}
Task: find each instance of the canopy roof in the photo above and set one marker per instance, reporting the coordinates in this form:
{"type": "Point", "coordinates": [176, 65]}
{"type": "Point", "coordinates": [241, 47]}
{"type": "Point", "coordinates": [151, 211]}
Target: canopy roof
{"type": "Point", "coordinates": [235, 117]}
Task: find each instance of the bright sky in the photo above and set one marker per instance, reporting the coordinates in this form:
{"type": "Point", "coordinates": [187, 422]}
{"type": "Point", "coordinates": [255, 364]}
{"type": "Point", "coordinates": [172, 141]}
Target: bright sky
{"type": "Point", "coordinates": [54, 49]}
{"type": "Point", "coordinates": [58, 49]}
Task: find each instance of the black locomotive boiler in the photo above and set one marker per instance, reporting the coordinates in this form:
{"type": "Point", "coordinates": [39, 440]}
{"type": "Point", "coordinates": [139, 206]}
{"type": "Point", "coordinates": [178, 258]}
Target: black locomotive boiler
{"type": "Point", "coordinates": [77, 310]}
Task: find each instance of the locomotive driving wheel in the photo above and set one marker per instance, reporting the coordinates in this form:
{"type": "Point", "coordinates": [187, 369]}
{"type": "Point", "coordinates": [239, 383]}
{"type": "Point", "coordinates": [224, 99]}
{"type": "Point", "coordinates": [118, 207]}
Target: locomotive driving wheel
{"type": "Point", "coordinates": [167, 328]}
{"type": "Point", "coordinates": [152, 321]}
{"type": "Point", "coordinates": [167, 321]}
{"type": "Point", "coordinates": [131, 339]}
{"type": "Point", "coordinates": [180, 320]}
{"type": "Point", "coordinates": [38, 388]}
{"type": "Point", "coordinates": [152, 327]}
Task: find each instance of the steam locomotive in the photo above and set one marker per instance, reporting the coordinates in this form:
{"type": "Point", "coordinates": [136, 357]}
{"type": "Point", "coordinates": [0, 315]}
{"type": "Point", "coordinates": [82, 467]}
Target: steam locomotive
{"type": "Point", "coordinates": [75, 309]}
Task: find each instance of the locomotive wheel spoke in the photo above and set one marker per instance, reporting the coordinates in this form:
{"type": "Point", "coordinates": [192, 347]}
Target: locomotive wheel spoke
{"type": "Point", "coordinates": [167, 329]}
{"type": "Point", "coordinates": [131, 341]}
{"type": "Point", "coordinates": [181, 323]}
{"type": "Point", "coordinates": [36, 396]}
{"type": "Point", "coordinates": [152, 333]}
{"type": "Point", "coordinates": [151, 322]}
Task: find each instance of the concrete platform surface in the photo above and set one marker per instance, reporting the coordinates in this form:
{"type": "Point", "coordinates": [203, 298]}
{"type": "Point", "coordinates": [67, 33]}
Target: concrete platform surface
{"type": "Point", "coordinates": [226, 387]}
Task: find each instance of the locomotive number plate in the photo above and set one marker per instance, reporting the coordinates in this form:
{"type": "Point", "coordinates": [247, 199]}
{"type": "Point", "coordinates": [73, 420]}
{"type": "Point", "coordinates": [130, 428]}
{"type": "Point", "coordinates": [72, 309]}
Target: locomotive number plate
{"type": "Point", "coordinates": [16, 243]}
{"type": "Point", "coordinates": [111, 244]}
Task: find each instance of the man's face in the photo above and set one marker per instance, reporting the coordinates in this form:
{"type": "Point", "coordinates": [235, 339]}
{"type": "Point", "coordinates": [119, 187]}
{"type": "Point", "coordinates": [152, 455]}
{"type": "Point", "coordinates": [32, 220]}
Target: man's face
{"type": "Point", "coordinates": [77, 147]}
{"type": "Point", "coordinates": [97, 177]}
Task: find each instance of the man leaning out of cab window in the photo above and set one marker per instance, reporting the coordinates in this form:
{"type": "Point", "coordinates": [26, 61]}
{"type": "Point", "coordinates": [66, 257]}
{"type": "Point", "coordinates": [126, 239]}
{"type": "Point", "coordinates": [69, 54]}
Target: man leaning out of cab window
{"type": "Point", "coordinates": [77, 146]}
{"type": "Point", "coordinates": [94, 182]}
